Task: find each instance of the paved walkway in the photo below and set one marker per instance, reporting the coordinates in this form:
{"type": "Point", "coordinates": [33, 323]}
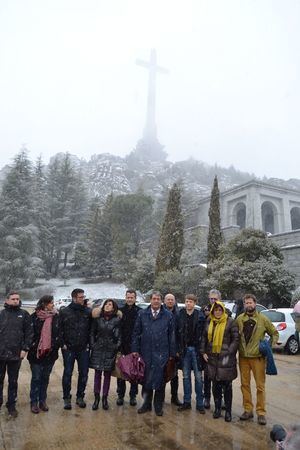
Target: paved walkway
{"type": "Point", "coordinates": [122, 428]}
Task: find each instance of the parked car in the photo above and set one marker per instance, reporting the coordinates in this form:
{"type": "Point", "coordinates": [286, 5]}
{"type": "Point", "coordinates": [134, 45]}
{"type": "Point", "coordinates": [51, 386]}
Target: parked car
{"type": "Point", "coordinates": [232, 306]}
{"type": "Point", "coordinates": [282, 319]}
{"type": "Point", "coordinates": [62, 302]}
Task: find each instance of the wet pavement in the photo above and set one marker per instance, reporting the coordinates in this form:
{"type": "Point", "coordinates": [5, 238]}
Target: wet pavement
{"type": "Point", "coordinates": [122, 428]}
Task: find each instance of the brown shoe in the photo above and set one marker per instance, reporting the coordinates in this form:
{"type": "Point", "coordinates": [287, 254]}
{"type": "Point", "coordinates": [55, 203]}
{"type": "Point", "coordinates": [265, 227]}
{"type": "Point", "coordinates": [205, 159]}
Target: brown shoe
{"type": "Point", "coordinates": [43, 406]}
{"type": "Point", "coordinates": [34, 408]}
{"type": "Point", "coordinates": [246, 415]}
{"type": "Point", "coordinates": [261, 420]}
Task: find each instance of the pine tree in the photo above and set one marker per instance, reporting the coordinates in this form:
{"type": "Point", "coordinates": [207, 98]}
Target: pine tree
{"type": "Point", "coordinates": [19, 264]}
{"type": "Point", "coordinates": [130, 215]}
{"type": "Point", "coordinates": [67, 199]}
{"type": "Point", "coordinates": [215, 238]}
{"type": "Point", "coordinates": [41, 213]}
{"type": "Point", "coordinates": [171, 238]}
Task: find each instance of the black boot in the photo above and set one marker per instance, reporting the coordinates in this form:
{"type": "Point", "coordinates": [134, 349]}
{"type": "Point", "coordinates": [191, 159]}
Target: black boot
{"type": "Point", "coordinates": [147, 404]}
{"type": "Point", "coordinates": [96, 402]}
{"type": "Point", "coordinates": [228, 417]}
{"type": "Point", "coordinates": [217, 392]}
{"type": "Point", "coordinates": [176, 401]}
{"type": "Point", "coordinates": [228, 400]}
{"type": "Point", "coordinates": [104, 402]}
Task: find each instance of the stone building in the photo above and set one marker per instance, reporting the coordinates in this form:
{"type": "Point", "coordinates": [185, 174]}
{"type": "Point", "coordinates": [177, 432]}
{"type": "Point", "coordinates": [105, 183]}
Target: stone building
{"type": "Point", "coordinates": [273, 209]}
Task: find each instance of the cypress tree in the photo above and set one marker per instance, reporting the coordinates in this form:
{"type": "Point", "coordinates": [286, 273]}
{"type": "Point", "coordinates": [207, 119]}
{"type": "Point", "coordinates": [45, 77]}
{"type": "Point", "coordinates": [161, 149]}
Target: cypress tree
{"type": "Point", "coordinates": [215, 237]}
{"type": "Point", "coordinates": [171, 238]}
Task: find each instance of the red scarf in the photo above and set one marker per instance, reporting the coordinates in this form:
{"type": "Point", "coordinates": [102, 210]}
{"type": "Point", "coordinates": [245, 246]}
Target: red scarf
{"type": "Point", "coordinates": [44, 346]}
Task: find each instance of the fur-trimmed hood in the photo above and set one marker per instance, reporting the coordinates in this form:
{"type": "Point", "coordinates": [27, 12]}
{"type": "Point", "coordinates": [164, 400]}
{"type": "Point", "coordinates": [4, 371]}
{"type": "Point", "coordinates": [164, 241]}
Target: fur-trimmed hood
{"type": "Point", "coordinates": [97, 311]}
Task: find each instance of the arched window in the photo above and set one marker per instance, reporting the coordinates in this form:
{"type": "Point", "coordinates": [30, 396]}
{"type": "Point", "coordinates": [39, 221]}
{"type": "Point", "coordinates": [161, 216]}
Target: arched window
{"type": "Point", "coordinates": [240, 215]}
{"type": "Point", "coordinates": [269, 217]}
{"type": "Point", "coordinates": [295, 218]}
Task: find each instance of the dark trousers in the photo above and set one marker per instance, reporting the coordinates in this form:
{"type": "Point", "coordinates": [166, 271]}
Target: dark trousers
{"type": "Point", "coordinates": [207, 386]}
{"type": "Point", "coordinates": [40, 374]}
{"type": "Point", "coordinates": [121, 388]}
{"type": "Point", "coordinates": [159, 395]}
{"type": "Point", "coordinates": [82, 359]}
{"type": "Point", "coordinates": [12, 368]}
{"type": "Point", "coordinates": [225, 387]}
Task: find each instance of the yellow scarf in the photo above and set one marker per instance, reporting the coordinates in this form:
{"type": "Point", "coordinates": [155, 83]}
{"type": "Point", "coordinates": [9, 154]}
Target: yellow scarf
{"type": "Point", "coordinates": [216, 328]}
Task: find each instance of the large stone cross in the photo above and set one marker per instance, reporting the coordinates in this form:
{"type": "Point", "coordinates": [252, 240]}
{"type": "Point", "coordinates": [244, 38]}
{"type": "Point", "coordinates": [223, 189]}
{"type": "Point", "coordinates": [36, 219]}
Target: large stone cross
{"type": "Point", "coordinates": [150, 127]}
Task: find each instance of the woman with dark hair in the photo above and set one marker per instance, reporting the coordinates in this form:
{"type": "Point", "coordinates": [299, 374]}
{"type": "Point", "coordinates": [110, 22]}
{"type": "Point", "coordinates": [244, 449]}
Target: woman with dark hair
{"type": "Point", "coordinates": [43, 352]}
{"type": "Point", "coordinates": [105, 341]}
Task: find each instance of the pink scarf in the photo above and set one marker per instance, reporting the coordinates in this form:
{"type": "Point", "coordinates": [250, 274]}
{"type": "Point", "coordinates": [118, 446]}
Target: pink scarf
{"type": "Point", "coordinates": [44, 346]}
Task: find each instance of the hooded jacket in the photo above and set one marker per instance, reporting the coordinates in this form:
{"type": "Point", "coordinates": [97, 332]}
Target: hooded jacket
{"type": "Point", "coordinates": [222, 366]}
{"type": "Point", "coordinates": [16, 332]}
{"type": "Point", "coordinates": [75, 326]}
{"type": "Point", "coordinates": [105, 341]}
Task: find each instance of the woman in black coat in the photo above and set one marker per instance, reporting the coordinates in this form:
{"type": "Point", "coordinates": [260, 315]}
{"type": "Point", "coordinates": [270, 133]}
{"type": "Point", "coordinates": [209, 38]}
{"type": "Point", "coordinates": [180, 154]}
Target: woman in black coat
{"type": "Point", "coordinates": [43, 352]}
{"type": "Point", "coordinates": [105, 341]}
{"type": "Point", "coordinates": [219, 346]}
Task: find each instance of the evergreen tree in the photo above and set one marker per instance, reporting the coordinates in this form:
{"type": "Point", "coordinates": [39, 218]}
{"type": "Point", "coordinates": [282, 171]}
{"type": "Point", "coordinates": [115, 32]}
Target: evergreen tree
{"type": "Point", "coordinates": [130, 215]}
{"type": "Point", "coordinates": [66, 199]}
{"type": "Point", "coordinates": [99, 238]}
{"type": "Point", "coordinates": [41, 213]}
{"type": "Point", "coordinates": [251, 262]}
{"type": "Point", "coordinates": [19, 264]}
{"type": "Point", "coordinates": [171, 238]}
{"type": "Point", "coordinates": [215, 238]}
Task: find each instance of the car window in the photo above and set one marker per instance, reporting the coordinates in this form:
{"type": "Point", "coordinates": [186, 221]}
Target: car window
{"type": "Point", "coordinates": [274, 316]}
{"type": "Point", "coordinates": [260, 308]}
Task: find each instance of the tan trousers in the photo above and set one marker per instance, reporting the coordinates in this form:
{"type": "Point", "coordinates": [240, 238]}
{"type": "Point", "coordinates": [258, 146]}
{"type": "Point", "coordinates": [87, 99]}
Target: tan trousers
{"type": "Point", "coordinates": [258, 367]}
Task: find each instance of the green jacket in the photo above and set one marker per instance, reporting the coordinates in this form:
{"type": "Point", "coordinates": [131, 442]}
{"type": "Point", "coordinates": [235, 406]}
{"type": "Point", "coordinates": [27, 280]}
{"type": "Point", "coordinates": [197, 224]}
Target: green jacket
{"type": "Point", "coordinates": [263, 325]}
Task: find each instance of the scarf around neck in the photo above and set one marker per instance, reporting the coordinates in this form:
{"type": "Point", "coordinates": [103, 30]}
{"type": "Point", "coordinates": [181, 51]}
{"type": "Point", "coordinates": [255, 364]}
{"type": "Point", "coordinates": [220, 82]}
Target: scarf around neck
{"type": "Point", "coordinates": [45, 341]}
{"type": "Point", "coordinates": [216, 329]}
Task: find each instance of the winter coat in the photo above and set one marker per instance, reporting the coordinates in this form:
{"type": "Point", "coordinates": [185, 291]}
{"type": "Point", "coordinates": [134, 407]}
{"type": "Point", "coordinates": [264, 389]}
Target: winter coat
{"type": "Point", "coordinates": [105, 341]}
{"type": "Point", "coordinates": [16, 332]}
{"type": "Point", "coordinates": [55, 341]}
{"type": "Point", "coordinates": [266, 350]}
{"type": "Point", "coordinates": [263, 326]}
{"type": "Point", "coordinates": [222, 366]}
{"type": "Point", "coordinates": [154, 340]}
{"type": "Point", "coordinates": [129, 315]}
{"type": "Point", "coordinates": [182, 329]}
{"type": "Point", "coordinates": [75, 326]}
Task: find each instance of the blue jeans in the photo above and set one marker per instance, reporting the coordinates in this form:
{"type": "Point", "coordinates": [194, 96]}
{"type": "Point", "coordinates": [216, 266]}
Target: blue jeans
{"type": "Point", "coordinates": [189, 364]}
{"type": "Point", "coordinates": [40, 374]}
{"type": "Point", "coordinates": [82, 359]}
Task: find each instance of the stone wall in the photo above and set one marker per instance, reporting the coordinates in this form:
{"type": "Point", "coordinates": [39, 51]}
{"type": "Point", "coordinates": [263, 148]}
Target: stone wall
{"type": "Point", "coordinates": [289, 244]}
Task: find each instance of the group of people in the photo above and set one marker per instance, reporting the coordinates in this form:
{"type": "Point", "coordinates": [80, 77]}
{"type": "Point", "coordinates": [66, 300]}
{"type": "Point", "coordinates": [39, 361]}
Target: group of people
{"type": "Point", "coordinates": [193, 340]}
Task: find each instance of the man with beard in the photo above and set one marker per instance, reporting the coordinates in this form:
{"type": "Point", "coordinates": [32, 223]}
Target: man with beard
{"type": "Point", "coordinates": [129, 314]}
{"type": "Point", "coordinates": [16, 335]}
{"type": "Point", "coordinates": [75, 325]}
{"type": "Point", "coordinates": [252, 328]}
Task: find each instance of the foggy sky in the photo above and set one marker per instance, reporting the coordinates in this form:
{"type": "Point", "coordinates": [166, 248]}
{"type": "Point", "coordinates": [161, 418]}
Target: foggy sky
{"type": "Point", "coordinates": [69, 82]}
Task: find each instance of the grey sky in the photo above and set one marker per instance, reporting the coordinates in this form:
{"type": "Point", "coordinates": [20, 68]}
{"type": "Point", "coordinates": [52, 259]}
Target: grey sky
{"type": "Point", "coordinates": [69, 82]}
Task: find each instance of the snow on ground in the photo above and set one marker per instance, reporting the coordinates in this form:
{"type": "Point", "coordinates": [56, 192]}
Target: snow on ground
{"type": "Point", "coordinates": [92, 291]}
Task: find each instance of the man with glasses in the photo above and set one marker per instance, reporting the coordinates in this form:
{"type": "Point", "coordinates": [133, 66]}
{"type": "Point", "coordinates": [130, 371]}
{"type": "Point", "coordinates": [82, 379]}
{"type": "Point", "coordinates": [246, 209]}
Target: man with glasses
{"type": "Point", "coordinates": [75, 323]}
{"type": "Point", "coordinates": [16, 335]}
